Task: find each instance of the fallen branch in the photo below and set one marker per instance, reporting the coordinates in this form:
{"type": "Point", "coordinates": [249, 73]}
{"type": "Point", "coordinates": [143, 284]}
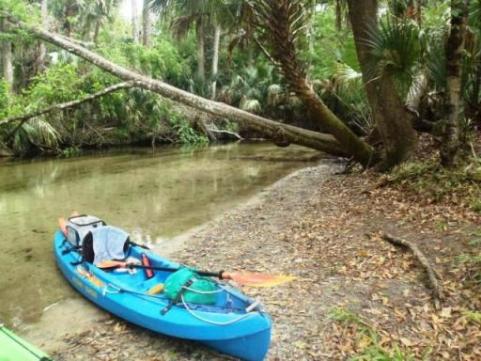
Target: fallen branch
{"type": "Point", "coordinates": [295, 135]}
{"type": "Point", "coordinates": [433, 275]}
{"type": "Point", "coordinates": [62, 106]}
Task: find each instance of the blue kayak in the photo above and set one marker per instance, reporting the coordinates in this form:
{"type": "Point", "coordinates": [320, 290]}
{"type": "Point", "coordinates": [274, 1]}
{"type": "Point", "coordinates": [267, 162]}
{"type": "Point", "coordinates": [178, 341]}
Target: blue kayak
{"type": "Point", "coordinates": [235, 324]}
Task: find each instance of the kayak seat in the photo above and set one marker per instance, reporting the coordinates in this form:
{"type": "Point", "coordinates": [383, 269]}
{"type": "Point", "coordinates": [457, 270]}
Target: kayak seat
{"type": "Point", "coordinates": [105, 243]}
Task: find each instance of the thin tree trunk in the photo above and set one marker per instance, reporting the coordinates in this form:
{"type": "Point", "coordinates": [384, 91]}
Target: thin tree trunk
{"type": "Point", "coordinates": [22, 119]}
{"type": "Point", "coordinates": [7, 57]}
{"type": "Point", "coordinates": [419, 12]}
{"type": "Point", "coordinates": [135, 27]}
{"type": "Point", "coordinates": [201, 51]}
{"type": "Point", "coordinates": [95, 38]}
{"type": "Point", "coordinates": [70, 10]}
{"type": "Point", "coordinates": [393, 121]}
{"type": "Point", "coordinates": [338, 15]}
{"type": "Point", "coordinates": [146, 23]}
{"type": "Point", "coordinates": [42, 50]}
{"type": "Point", "coordinates": [215, 60]}
{"type": "Point", "coordinates": [269, 128]}
{"type": "Point", "coordinates": [454, 57]}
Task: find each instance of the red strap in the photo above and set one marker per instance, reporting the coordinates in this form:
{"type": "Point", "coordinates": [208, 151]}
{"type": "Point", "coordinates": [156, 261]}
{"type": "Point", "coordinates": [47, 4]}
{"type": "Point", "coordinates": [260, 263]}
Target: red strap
{"type": "Point", "coordinates": [149, 273]}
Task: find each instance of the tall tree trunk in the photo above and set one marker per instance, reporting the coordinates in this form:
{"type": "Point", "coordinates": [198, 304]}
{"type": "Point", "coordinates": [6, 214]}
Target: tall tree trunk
{"type": "Point", "coordinates": [7, 57]}
{"type": "Point", "coordinates": [201, 51]}
{"type": "Point", "coordinates": [392, 119]}
{"type": "Point", "coordinates": [419, 12]}
{"type": "Point", "coordinates": [454, 57]}
{"type": "Point", "coordinates": [42, 49]}
{"type": "Point", "coordinates": [338, 15]}
{"type": "Point", "coordinates": [95, 37]}
{"type": "Point", "coordinates": [70, 10]}
{"type": "Point", "coordinates": [135, 27]}
{"type": "Point", "coordinates": [270, 128]}
{"type": "Point", "coordinates": [215, 59]}
{"type": "Point", "coordinates": [146, 23]}
{"type": "Point", "coordinates": [279, 18]}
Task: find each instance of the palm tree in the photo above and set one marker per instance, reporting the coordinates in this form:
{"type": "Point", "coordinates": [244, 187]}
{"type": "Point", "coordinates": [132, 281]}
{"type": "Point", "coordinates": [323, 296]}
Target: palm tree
{"type": "Point", "coordinates": [379, 57]}
{"type": "Point", "coordinates": [282, 23]}
{"type": "Point", "coordinates": [94, 13]}
{"type": "Point", "coordinates": [201, 15]}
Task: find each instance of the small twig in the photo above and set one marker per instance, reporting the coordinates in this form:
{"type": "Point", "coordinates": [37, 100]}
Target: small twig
{"type": "Point", "coordinates": [433, 275]}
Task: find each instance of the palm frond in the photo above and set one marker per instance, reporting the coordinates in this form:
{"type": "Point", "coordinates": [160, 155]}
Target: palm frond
{"type": "Point", "coordinates": [395, 46]}
{"type": "Point", "coordinates": [41, 133]}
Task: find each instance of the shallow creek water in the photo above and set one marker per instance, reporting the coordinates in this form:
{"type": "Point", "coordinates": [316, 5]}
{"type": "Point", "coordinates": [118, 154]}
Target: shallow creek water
{"type": "Point", "coordinates": [153, 196]}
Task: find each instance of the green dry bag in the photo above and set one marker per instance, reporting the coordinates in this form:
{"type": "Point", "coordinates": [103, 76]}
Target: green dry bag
{"type": "Point", "coordinates": [201, 290]}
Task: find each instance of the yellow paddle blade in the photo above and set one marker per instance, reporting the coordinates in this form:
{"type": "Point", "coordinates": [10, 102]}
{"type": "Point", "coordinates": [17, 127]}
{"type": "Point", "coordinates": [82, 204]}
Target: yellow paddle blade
{"type": "Point", "coordinates": [254, 279]}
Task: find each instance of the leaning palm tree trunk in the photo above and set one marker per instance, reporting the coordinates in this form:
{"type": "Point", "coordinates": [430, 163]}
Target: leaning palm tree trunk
{"type": "Point", "coordinates": [454, 57]}
{"type": "Point", "coordinates": [271, 129]}
{"type": "Point", "coordinates": [282, 23]}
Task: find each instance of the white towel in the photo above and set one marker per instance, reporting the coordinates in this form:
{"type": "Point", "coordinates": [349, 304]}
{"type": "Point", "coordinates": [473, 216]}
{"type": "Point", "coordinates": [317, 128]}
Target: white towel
{"type": "Point", "coordinates": [108, 243]}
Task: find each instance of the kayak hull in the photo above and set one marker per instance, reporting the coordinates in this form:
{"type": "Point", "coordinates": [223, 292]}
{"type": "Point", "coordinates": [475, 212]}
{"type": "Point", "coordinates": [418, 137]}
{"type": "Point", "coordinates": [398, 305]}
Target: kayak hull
{"type": "Point", "coordinates": [230, 331]}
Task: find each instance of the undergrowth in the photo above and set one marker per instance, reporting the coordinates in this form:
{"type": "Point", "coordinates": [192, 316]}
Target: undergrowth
{"type": "Point", "coordinates": [368, 341]}
{"type": "Point", "coordinates": [427, 179]}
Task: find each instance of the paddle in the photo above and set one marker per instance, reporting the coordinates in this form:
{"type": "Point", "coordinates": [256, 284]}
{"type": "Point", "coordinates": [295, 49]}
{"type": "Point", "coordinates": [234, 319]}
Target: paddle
{"type": "Point", "coordinates": [252, 279]}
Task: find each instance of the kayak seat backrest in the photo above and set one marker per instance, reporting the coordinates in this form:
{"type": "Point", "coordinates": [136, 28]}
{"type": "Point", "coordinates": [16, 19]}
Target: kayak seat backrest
{"type": "Point", "coordinates": [88, 248]}
{"type": "Point", "coordinates": [108, 243]}
{"type": "Point", "coordinates": [79, 226]}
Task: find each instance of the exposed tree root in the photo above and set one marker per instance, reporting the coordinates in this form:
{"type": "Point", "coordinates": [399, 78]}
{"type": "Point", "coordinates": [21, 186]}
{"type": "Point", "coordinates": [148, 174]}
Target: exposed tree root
{"type": "Point", "coordinates": [433, 275]}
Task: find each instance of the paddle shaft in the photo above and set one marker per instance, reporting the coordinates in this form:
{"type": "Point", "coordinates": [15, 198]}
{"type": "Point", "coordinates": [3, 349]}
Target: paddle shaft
{"type": "Point", "coordinates": [168, 269]}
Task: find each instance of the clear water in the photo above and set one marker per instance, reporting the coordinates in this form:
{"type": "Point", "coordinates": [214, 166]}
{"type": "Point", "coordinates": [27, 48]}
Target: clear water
{"type": "Point", "coordinates": [153, 196]}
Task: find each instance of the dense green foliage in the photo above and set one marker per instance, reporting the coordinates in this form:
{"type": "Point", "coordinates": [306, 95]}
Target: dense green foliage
{"type": "Point", "coordinates": [405, 46]}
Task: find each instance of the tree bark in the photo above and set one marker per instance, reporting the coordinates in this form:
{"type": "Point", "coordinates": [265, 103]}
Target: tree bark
{"type": "Point", "coordinates": [393, 120]}
{"type": "Point", "coordinates": [22, 119]}
{"type": "Point", "coordinates": [338, 15]}
{"type": "Point", "coordinates": [201, 51]}
{"type": "Point", "coordinates": [454, 57]}
{"type": "Point", "coordinates": [215, 59]}
{"type": "Point", "coordinates": [7, 57]}
{"type": "Point", "coordinates": [134, 24]}
{"type": "Point", "coordinates": [269, 128]}
{"type": "Point", "coordinates": [42, 49]}
{"type": "Point", "coordinates": [146, 23]}
{"type": "Point", "coordinates": [95, 37]}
